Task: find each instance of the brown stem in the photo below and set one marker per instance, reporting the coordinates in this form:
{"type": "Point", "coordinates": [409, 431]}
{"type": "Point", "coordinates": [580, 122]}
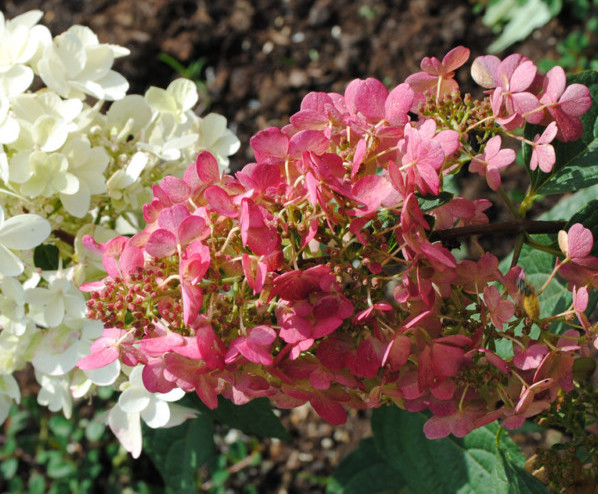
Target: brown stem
{"type": "Point", "coordinates": [514, 227]}
{"type": "Point", "coordinates": [66, 237]}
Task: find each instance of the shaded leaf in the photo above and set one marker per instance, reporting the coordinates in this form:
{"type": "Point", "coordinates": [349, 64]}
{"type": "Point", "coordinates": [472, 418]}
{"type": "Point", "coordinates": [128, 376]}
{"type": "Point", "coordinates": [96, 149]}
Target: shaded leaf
{"type": "Point", "coordinates": [365, 470]}
{"type": "Point", "coordinates": [46, 257]}
{"type": "Point", "coordinates": [473, 464]}
{"type": "Point", "coordinates": [178, 452]}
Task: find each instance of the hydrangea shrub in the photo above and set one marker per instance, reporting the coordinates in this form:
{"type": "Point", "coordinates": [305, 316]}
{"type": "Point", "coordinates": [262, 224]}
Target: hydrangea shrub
{"type": "Point", "coordinates": [326, 272]}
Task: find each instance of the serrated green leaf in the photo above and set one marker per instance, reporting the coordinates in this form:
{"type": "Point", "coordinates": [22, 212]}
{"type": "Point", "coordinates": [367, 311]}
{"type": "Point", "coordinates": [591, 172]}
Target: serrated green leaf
{"type": "Point", "coordinates": [574, 202]}
{"type": "Point", "coordinates": [575, 166]}
{"type": "Point", "coordinates": [178, 452]}
{"type": "Point", "coordinates": [365, 470]}
{"type": "Point", "coordinates": [46, 257]}
{"type": "Point", "coordinates": [472, 465]}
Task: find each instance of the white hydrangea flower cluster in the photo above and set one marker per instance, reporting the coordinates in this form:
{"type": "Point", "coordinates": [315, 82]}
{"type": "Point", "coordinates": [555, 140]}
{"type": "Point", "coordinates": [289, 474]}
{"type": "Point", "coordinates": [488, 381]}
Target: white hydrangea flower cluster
{"type": "Point", "coordinates": [69, 168]}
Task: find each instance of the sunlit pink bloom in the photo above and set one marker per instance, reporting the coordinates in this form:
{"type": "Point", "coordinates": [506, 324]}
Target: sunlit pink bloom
{"type": "Point", "coordinates": [489, 163]}
{"type": "Point", "coordinates": [255, 347]}
{"type": "Point", "coordinates": [565, 104]}
{"type": "Point", "coordinates": [366, 98]}
{"type": "Point", "coordinates": [530, 357]}
{"type": "Point", "coordinates": [255, 271]}
{"type": "Point", "coordinates": [580, 304]}
{"type": "Point", "coordinates": [437, 77]}
{"type": "Point", "coordinates": [511, 78]}
{"type": "Point", "coordinates": [577, 243]}
{"type": "Point", "coordinates": [459, 423]}
{"type": "Point", "coordinates": [543, 154]}
{"type": "Point", "coordinates": [500, 310]}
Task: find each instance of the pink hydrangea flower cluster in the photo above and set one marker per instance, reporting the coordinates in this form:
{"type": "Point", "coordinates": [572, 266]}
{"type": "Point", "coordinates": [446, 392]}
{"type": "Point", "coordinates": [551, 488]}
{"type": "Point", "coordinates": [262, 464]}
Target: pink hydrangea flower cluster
{"type": "Point", "coordinates": [311, 276]}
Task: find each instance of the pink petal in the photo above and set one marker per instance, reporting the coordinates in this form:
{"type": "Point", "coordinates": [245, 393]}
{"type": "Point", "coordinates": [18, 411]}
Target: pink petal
{"type": "Point", "coordinates": [99, 359]}
{"type": "Point", "coordinates": [576, 100]}
{"type": "Point", "coordinates": [455, 58]}
{"type": "Point", "coordinates": [193, 228]}
{"type": "Point", "coordinates": [398, 104]}
{"type": "Point", "coordinates": [580, 299]}
{"type": "Point", "coordinates": [371, 190]}
{"type": "Point", "coordinates": [262, 335]}
{"type": "Point", "coordinates": [331, 411]}
{"type": "Point", "coordinates": [161, 243]}
{"type": "Point", "coordinates": [269, 143]}
{"type": "Point", "coordinates": [207, 168]}
{"type": "Point", "coordinates": [170, 218]}
{"type": "Point", "coordinates": [130, 259]}
{"type": "Point", "coordinates": [523, 76]}
{"type": "Point", "coordinates": [308, 140]}
{"type": "Point", "coordinates": [483, 70]}
{"type": "Point", "coordinates": [544, 157]}
{"type": "Point", "coordinates": [448, 140]}
{"type": "Point", "coordinates": [220, 201]}
{"type": "Point", "coordinates": [555, 82]}
{"type": "Point", "coordinates": [367, 97]}
{"type": "Point", "coordinates": [176, 188]}
{"type": "Point", "coordinates": [580, 241]}
{"type": "Point", "coordinates": [420, 82]}
{"type": "Point", "coordinates": [437, 428]}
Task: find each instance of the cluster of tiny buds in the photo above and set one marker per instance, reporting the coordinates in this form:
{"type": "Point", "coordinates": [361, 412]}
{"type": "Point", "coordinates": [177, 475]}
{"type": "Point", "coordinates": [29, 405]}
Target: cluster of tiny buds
{"type": "Point", "coordinates": [562, 470]}
{"type": "Point", "coordinates": [135, 298]}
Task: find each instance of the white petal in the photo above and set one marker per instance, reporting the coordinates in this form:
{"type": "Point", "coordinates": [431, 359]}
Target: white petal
{"type": "Point", "coordinates": [52, 72]}
{"type": "Point", "coordinates": [184, 92]}
{"type": "Point", "coordinates": [38, 296]}
{"type": "Point", "coordinates": [10, 265]}
{"type": "Point", "coordinates": [99, 61]}
{"type": "Point", "coordinates": [24, 231]}
{"type": "Point", "coordinates": [178, 414]}
{"type": "Point", "coordinates": [77, 204]}
{"type": "Point", "coordinates": [54, 312]}
{"type": "Point", "coordinates": [104, 376]}
{"type": "Point", "coordinates": [16, 80]}
{"type": "Point", "coordinates": [72, 54]}
{"type": "Point", "coordinates": [134, 399]}
{"type": "Point", "coordinates": [212, 127]}
{"type": "Point", "coordinates": [5, 404]}
{"type": "Point", "coordinates": [136, 165]}
{"type": "Point", "coordinates": [173, 395]}
{"type": "Point", "coordinates": [115, 86]}
{"type": "Point", "coordinates": [156, 414]}
{"type": "Point", "coordinates": [160, 100]}
{"type": "Point", "coordinates": [9, 131]}
{"type": "Point", "coordinates": [49, 357]}
{"type": "Point", "coordinates": [29, 19]}
{"type": "Point", "coordinates": [127, 428]}
{"type": "Point", "coordinates": [49, 133]}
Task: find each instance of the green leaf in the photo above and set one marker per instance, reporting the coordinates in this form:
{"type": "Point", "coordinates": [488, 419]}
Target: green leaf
{"type": "Point", "coordinates": [428, 203]}
{"type": "Point", "coordinates": [8, 468]}
{"type": "Point", "coordinates": [575, 166]}
{"type": "Point", "coordinates": [365, 470]}
{"type": "Point", "coordinates": [521, 18]}
{"type": "Point", "coordinates": [37, 484]}
{"type": "Point", "coordinates": [179, 451]}
{"type": "Point", "coordinates": [255, 417]}
{"type": "Point", "coordinates": [470, 465]}
{"type": "Point", "coordinates": [46, 257]}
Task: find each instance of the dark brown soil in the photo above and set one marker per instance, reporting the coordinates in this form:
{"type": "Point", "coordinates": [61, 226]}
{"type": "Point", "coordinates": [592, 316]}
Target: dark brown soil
{"type": "Point", "coordinates": [261, 58]}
